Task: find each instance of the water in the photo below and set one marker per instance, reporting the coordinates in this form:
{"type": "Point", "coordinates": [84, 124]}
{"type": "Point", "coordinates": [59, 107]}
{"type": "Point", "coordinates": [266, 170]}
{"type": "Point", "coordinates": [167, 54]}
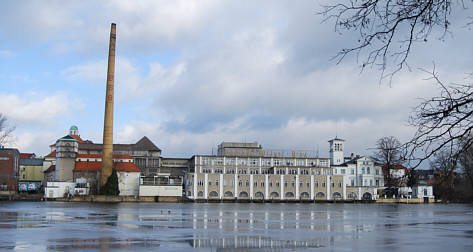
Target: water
{"type": "Point", "coordinates": [41, 226]}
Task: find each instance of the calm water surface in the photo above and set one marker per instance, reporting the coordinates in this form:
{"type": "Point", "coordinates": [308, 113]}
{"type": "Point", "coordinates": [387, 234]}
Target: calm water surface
{"type": "Point", "coordinates": [41, 226]}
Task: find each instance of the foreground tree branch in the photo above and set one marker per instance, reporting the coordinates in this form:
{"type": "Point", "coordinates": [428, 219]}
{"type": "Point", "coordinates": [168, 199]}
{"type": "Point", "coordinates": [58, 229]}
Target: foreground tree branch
{"type": "Point", "coordinates": [444, 123]}
{"type": "Point", "coordinates": [387, 29]}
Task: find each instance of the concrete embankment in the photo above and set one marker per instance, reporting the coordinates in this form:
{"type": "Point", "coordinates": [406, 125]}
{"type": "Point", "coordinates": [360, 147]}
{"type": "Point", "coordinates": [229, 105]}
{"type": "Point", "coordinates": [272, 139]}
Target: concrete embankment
{"type": "Point", "coordinates": [115, 199]}
{"type": "Point", "coordinates": [405, 201]}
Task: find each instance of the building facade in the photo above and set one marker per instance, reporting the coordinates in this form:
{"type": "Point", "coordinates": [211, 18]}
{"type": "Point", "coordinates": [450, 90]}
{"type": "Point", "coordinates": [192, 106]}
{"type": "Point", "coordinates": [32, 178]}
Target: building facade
{"type": "Point", "coordinates": [9, 167]}
{"type": "Point", "coordinates": [255, 175]}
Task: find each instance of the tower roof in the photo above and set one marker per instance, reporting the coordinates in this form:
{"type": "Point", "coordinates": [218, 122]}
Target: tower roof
{"type": "Point", "coordinates": [73, 127]}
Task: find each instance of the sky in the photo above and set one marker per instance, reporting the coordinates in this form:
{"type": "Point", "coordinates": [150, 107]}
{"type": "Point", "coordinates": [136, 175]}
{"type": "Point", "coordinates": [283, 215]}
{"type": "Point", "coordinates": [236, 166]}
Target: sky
{"type": "Point", "coordinates": [191, 74]}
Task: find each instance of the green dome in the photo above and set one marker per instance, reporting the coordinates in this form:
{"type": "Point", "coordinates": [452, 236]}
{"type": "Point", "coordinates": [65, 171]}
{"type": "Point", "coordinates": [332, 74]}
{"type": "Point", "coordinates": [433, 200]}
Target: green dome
{"type": "Point", "coordinates": [73, 127]}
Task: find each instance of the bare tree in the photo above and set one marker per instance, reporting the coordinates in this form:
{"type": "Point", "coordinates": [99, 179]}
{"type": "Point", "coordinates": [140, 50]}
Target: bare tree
{"type": "Point", "coordinates": [443, 122]}
{"type": "Point", "coordinates": [5, 130]}
{"type": "Point", "coordinates": [466, 163]}
{"type": "Point", "coordinates": [444, 164]}
{"type": "Point", "coordinates": [388, 152]}
{"type": "Point", "coordinates": [388, 29]}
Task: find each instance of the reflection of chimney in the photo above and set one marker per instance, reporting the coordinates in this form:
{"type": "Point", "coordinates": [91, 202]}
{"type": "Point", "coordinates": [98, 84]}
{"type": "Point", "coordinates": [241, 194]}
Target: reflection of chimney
{"type": "Point", "coordinates": [351, 156]}
{"type": "Point", "coordinates": [357, 156]}
{"type": "Point", "coordinates": [107, 161]}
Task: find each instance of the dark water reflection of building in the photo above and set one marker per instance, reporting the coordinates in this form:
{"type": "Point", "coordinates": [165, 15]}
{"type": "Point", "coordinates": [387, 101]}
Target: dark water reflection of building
{"type": "Point", "coordinates": [263, 229]}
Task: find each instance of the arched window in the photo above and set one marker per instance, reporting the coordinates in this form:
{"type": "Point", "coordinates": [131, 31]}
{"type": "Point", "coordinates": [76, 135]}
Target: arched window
{"type": "Point", "coordinates": [228, 194]}
{"type": "Point", "coordinates": [336, 195]}
{"type": "Point", "coordinates": [259, 195]}
{"type": "Point", "coordinates": [200, 194]}
{"type": "Point", "coordinates": [305, 195]}
{"type": "Point", "coordinates": [274, 195]}
{"type": "Point", "coordinates": [243, 194]}
{"type": "Point", "coordinates": [352, 195]}
{"type": "Point", "coordinates": [213, 194]}
{"type": "Point", "coordinates": [289, 195]}
{"type": "Point", "coordinates": [320, 195]}
{"type": "Point", "coordinates": [367, 196]}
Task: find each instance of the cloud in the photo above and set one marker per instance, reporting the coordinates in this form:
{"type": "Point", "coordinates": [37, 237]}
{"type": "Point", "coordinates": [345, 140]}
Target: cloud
{"type": "Point", "coordinates": [37, 108]}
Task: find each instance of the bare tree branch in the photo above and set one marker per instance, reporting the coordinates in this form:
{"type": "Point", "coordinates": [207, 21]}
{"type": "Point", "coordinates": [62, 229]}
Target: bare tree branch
{"type": "Point", "coordinates": [387, 29]}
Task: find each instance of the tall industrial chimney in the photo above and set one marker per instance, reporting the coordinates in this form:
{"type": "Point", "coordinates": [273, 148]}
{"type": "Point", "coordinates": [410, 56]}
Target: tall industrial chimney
{"type": "Point", "coordinates": [107, 160]}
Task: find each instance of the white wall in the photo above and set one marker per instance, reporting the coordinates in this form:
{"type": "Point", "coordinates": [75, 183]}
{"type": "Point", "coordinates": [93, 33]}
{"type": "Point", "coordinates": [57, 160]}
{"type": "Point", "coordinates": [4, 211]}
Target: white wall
{"type": "Point", "coordinates": [148, 190]}
{"type": "Point", "coordinates": [128, 183]}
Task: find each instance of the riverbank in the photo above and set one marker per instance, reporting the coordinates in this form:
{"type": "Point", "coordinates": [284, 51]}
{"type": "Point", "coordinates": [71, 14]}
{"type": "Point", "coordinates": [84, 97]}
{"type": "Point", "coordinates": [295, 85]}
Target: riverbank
{"type": "Point", "coordinates": [169, 199]}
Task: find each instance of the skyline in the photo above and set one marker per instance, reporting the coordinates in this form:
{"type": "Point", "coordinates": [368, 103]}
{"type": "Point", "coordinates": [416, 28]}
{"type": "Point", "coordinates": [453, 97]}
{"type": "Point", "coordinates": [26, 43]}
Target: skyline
{"type": "Point", "coordinates": [190, 76]}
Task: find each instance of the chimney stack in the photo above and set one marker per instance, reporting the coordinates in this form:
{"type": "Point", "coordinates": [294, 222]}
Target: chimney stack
{"type": "Point", "coordinates": [107, 160]}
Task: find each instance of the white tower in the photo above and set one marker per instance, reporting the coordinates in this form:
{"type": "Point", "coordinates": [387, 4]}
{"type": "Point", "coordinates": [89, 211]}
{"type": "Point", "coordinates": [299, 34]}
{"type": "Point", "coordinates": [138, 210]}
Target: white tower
{"type": "Point", "coordinates": [336, 151]}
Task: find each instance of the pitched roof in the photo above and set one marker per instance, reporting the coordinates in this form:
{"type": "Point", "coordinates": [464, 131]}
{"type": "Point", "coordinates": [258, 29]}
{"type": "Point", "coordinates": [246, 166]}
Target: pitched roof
{"type": "Point", "coordinates": [97, 166]}
{"type": "Point", "coordinates": [144, 144]}
{"type": "Point", "coordinates": [52, 154]}
{"type": "Point", "coordinates": [115, 156]}
{"type": "Point", "coordinates": [51, 168]}
{"type": "Point", "coordinates": [27, 155]}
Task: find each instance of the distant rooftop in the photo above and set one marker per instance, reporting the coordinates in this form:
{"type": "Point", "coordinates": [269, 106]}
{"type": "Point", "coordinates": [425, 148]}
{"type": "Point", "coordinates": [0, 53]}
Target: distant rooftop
{"type": "Point", "coordinates": [239, 145]}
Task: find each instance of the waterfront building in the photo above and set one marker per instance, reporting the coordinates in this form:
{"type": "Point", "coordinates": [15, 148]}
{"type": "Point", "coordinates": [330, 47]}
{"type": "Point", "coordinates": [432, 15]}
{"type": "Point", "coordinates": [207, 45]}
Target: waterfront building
{"type": "Point", "coordinates": [73, 158]}
{"type": "Point", "coordinates": [31, 168]}
{"type": "Point", "coordinates": [9, 166]}
{"type": "Point", "coordinates": [244, 171]}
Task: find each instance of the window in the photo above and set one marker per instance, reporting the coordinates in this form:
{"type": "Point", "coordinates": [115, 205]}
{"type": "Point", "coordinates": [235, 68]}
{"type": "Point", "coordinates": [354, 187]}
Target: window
{"type": "Point", "coordinates": [377, 171]}
{"type": "Point", "coordinates": [210, 182]}
{"type": "Point", "coordinates": [247, 183]}
{"type": "Point", "coordinates": [368, 170]}
{"type": "Point", "coordinates": [254, 162]}
{"type": "Point", "coordinates": [255, 184]}
{"type": "Point", "coordinates": [266, 162]}
{"type": "Point", "coordinates": [352, 182]}
{"type": "Point", "coordinates": [323, 184]}
{"type": "Point", "coordinates": [289, 162]}
{"type": "Point", "coordinates": [352, 171]}
{"type": "Point", "coordinates": [240, 183]}
{"type": "Point", "coordinates": [301, 184]}
{"type": "Point", "coordinates": [334, 171]}
{"type": "Point", "coordinates": [216, 182]}
{"type": "Point", "coordinates": [230, 161]}
{"type": "Point", "coordinates": [277, 162]}
{"type": "Point", "coordinates": [277, 183]}
{"type": "Point", "coordinates": [219, 161]}
{"type": "Point", "coordinates": [308, 184]}
{"type": "Point", "coordinates": [262, 183]}
{"type": "Point", "coordinates": [271, 184]}
{"type": "Point", "coordinates": [293, 183]}
{"type": "Point", "coordinates": [333, 184]}
{"type": "Point", "coordinates": [316, 183]}
{"type": "Point", "coordinates": [300, 162]}
{"type": "Point", "coordinates": [343, 171]}
{"type": "Point", "coordinates": [363, 170]}
{"type": "Point", "coordinates": [285, 183]}
{"type": "Point", "coordinates": [339, 184]}
{"type": "Point", "coordinates": [377, 182]}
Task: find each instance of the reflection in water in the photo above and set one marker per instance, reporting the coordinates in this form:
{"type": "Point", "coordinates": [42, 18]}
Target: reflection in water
{"type": "Point", "coordinates": [75, 226]}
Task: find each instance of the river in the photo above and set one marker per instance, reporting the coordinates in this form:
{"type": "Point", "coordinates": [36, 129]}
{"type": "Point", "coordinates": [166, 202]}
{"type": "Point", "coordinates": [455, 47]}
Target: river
{"type": "Point", "coordinates": [42, 226]}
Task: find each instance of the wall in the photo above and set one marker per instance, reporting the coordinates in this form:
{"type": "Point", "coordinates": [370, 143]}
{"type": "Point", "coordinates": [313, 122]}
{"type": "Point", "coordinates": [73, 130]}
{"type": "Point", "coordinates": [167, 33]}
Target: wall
{"type": "Point", "coordinates": [150, 190]}
{"type": "Point", "coordinates": [128, 183]}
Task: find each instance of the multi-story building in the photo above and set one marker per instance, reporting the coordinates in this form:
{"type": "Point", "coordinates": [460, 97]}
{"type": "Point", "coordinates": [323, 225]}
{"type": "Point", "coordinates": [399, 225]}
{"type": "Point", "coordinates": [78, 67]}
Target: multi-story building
{"type": "Point", "coordinates": [31, 168]}
{"type": "Point", "coordinates": [257, 174]}
{"type": "Point", "coordinates": [9, 167]}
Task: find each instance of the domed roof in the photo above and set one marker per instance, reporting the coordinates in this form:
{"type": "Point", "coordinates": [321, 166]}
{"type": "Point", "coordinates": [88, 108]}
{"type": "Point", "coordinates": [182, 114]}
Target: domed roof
{"type": "Point", "coordinates": [73, 127]}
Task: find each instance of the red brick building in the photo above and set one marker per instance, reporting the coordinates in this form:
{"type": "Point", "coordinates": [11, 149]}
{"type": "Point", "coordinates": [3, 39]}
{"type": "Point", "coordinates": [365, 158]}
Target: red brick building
{"type": "Point", "coordinates": [9, 167]}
